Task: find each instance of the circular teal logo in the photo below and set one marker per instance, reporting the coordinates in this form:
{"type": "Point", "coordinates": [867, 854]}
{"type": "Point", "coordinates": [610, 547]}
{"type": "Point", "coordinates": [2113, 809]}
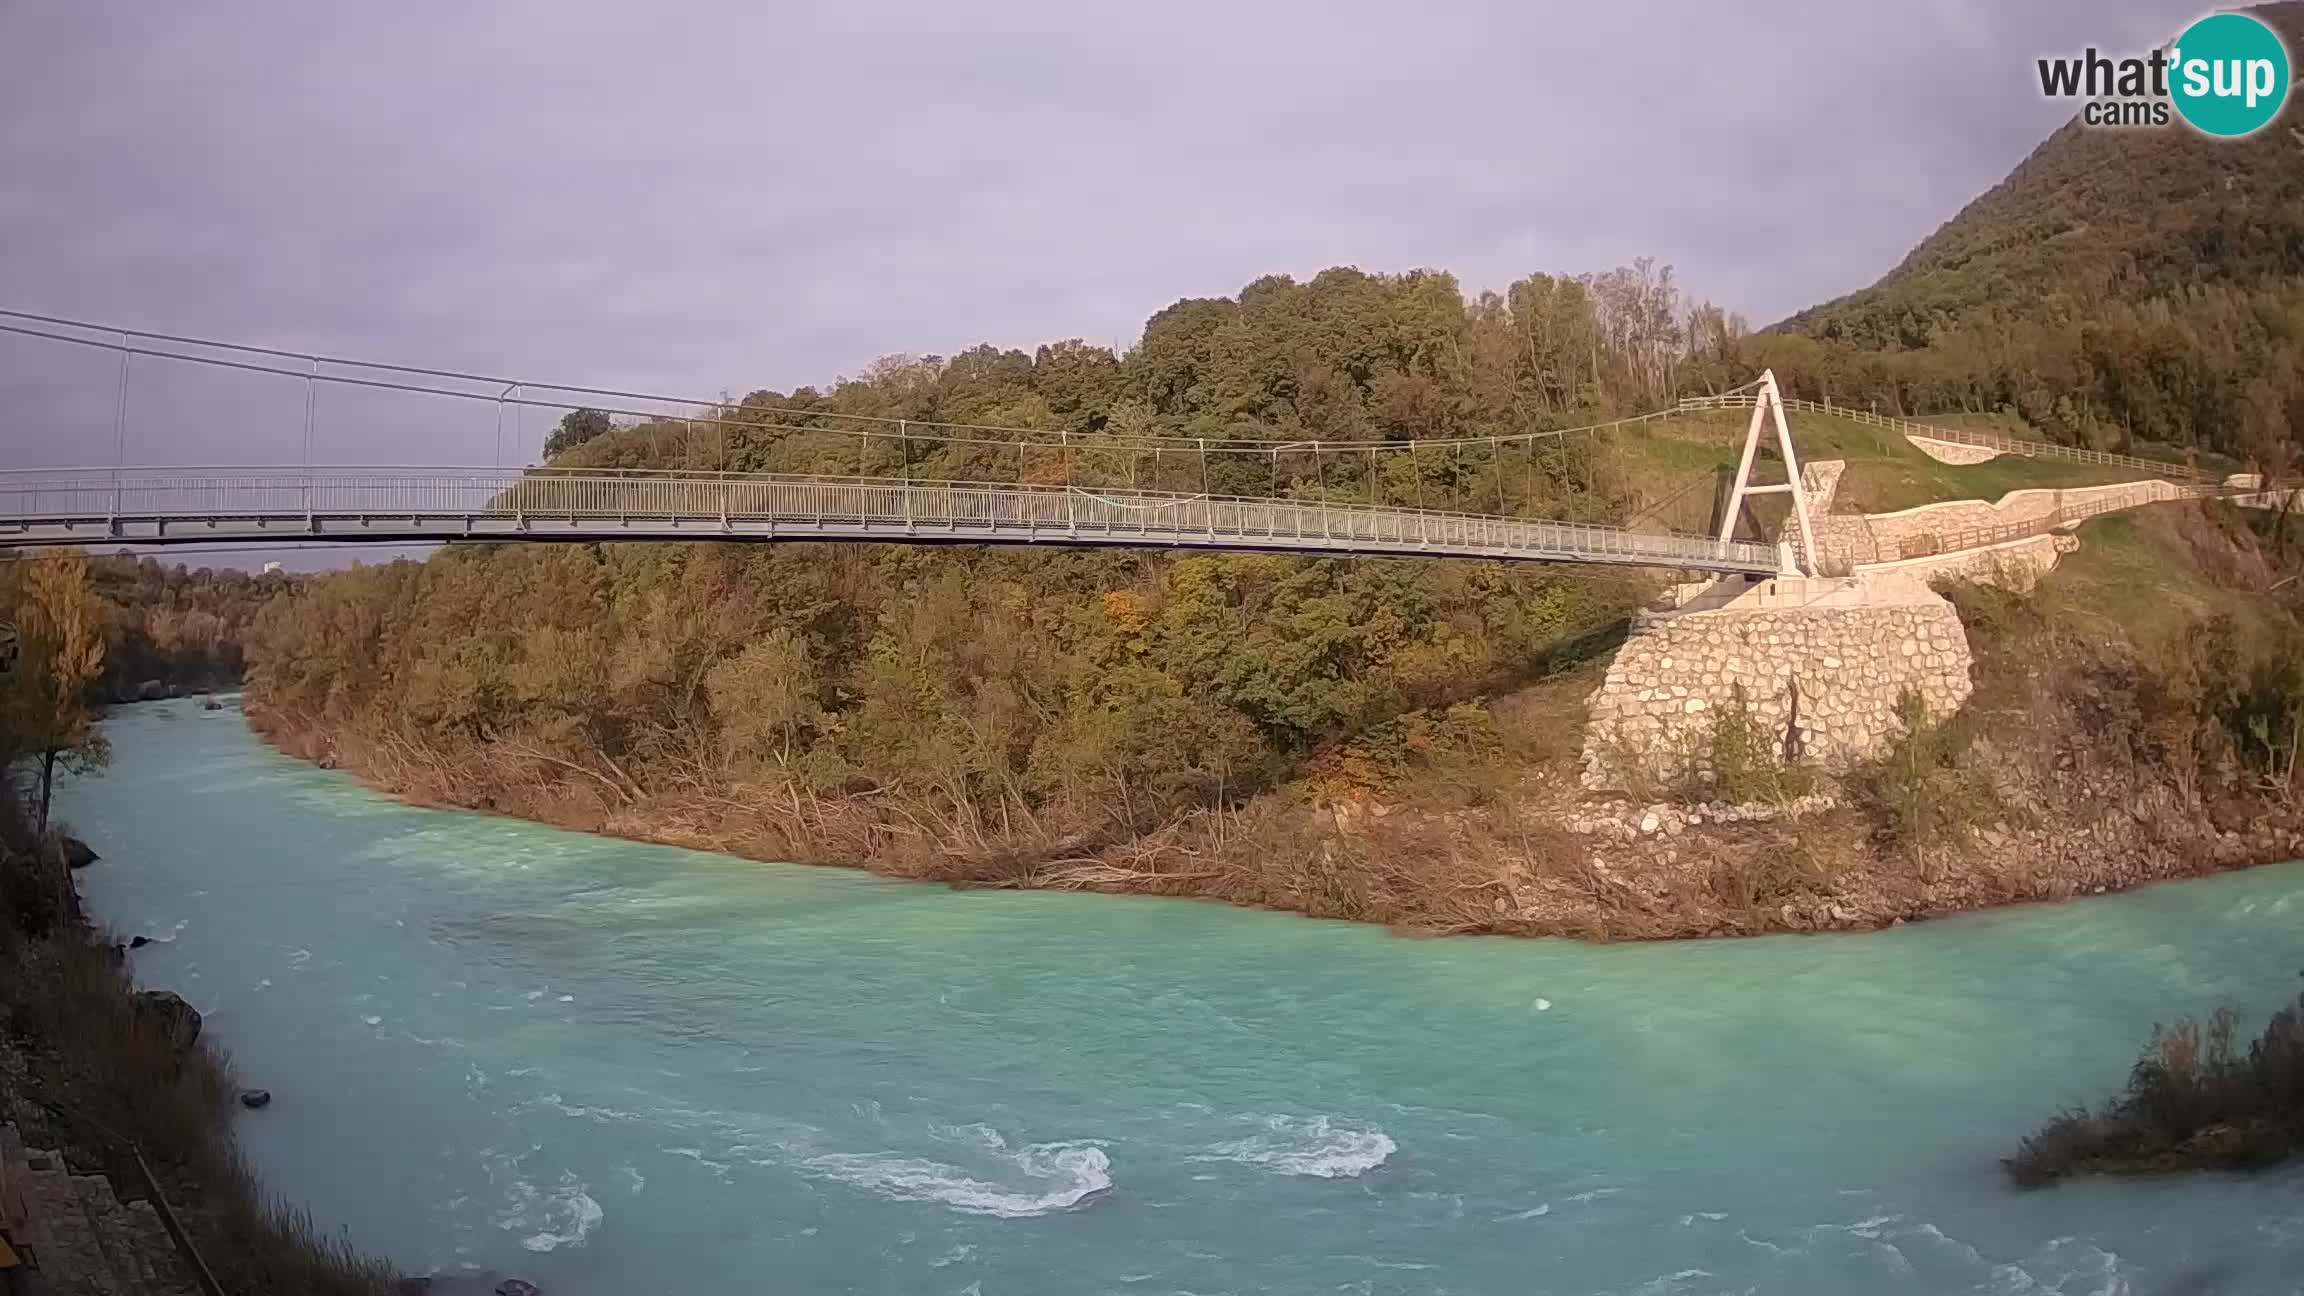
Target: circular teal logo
{"type": "Point", "coordinates": [2228, 74]}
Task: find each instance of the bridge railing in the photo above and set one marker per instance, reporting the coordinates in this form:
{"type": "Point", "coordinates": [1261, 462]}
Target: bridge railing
{"type": "Point", "coordinates": [104, 500]}
{"type": "Point", "coordinates": [1960, 436]}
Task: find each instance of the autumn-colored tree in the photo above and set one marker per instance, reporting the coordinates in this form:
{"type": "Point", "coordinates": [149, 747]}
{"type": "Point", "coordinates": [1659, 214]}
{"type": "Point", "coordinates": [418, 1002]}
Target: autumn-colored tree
{"type": "Point", "coordinates": [60, 624]}
{"type": "Point", "coordinates": [172, 625]}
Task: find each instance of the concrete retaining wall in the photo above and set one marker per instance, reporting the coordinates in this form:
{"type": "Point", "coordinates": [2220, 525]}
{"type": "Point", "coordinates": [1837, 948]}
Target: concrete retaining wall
{"type": "Point", "coordinates": [1952, 452]}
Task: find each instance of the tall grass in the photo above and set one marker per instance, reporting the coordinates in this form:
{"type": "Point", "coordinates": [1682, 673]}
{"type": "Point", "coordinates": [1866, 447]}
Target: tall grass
{"type": "Point", "coordinates": [2193, 1102]}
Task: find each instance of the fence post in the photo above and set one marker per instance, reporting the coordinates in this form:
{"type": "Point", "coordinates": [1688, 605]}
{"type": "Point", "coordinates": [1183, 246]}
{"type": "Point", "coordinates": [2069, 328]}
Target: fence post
{"type": "Point", "coordinates": [120, 434]}
{"type": "Point", "coordinates": [1320, 476]}
{"type": "Point", "coordinates": [311, 383]}
{"type": "Point", "coordinates": [1207, 500]}
{"type": "Point", "coordinates": [1415, 478]}
{"type": "Point", "coordinates": [904, 434]}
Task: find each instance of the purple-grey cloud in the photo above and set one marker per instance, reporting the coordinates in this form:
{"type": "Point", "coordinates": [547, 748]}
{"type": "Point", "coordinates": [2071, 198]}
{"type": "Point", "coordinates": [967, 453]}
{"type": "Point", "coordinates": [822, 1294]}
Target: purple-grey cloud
{"type": "Point", "coordinates": [713, 195]}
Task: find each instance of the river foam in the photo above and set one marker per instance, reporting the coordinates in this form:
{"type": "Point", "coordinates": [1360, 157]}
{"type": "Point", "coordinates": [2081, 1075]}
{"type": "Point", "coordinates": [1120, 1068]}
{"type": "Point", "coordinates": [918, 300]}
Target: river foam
{"type": "Point", "coordinates": [1313, 1146]}
{"type": "Point", "coordinates": [548, 1220]}
{"type": "Point", "coordinates": [1011, 1182]}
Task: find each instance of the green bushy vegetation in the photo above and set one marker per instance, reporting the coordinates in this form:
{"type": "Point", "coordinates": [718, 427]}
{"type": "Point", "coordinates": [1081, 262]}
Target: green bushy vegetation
{"type": "Point", "coordinates": [2166, 656]}
{"type": "Point", "coordinates": [923, 703]}
{"type": "Point", "coordinates": [976, 713]}
{"type": "Point", "coordinates": [2003, 423]}
{"type": "Point", "coordinates": [967, 698]}
{"type": "Point", "coordinates": [1747, 760]}
{"type": "Point", "coordinates": [1926, 790]}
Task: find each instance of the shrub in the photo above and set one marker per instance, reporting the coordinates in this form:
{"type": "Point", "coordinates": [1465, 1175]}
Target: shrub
{"type": "Point", "coordinates": [1925, 790]}
{"type": "Point", "coordinates": [1452, 753]}
{"type": "Point", "coordinates": [2193, 1102]}
{"type": "Point", "coordinates": [1747, 759]}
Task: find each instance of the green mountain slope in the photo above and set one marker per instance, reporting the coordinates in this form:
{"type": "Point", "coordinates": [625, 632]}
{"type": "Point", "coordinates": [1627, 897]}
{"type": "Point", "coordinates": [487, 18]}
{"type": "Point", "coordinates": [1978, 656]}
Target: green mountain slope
{"type": "Point", "coordinates": [2095, 212]}
{"type": "Point", "coordinates": [2118, 285]}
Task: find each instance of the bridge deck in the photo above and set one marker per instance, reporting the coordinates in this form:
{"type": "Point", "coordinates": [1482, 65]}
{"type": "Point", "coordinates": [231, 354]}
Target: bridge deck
{"type": "Point", "coordinates": [165, 505]}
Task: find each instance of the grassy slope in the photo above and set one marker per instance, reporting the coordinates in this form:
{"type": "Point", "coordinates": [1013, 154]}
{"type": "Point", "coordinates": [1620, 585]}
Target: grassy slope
{"type": "Point", "coordinates": [2143, 575]}
{"type": "Point", "coordinates": [2009, 424]}
{"type": "Point", "coordinates": [1885, 472]}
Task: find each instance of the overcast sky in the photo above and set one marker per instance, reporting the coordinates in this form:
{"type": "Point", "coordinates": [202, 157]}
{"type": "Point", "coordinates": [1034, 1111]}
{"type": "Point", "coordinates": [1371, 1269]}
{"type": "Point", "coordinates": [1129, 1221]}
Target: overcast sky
{"type": "Point", "coordinates": [719, 195]}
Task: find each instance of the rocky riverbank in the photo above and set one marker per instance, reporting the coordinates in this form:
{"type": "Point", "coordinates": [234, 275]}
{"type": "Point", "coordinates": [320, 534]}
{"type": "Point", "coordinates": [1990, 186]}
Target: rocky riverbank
{"type": "Point", "coordinates": [1539, 858]}
{"type": "Point", "coordinates": [91, 1067]}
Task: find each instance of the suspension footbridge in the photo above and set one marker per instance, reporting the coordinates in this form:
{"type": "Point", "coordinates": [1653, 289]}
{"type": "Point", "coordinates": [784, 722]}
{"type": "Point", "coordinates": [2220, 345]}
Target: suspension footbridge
{"type": "Point", "coordinates": [864, 478]}
{"type": "Point", "coordinates": [399, 505]}
{"type": "Point", "coordinates": [874, 479]}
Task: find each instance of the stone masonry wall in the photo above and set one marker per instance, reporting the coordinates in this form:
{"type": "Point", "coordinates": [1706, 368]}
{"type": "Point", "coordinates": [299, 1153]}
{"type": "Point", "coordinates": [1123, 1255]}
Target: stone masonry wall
{"type": "Point", "coordinates": [1852, 541]}
{"type": "Point", "coordinates": [1827, 679]}
{"type": "Point", "coordinates": [2016, 565]}
{"type": "Point", "coordinates": [1890, 529]}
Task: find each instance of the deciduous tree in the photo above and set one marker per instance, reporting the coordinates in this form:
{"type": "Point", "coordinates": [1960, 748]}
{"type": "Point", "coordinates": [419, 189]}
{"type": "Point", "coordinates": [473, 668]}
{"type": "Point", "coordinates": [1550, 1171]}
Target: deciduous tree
{"type": "Point", "coordinates": [60, 625]}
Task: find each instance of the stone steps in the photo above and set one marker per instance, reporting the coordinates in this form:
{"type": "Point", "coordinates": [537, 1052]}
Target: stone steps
{"type": "Point", "coordinates": [79, 1237]}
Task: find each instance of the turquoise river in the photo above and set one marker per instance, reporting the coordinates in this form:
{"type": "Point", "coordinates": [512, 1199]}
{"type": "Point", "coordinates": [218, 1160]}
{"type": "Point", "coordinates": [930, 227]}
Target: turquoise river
{"type": "Point", "coordinates": [614, 1068]}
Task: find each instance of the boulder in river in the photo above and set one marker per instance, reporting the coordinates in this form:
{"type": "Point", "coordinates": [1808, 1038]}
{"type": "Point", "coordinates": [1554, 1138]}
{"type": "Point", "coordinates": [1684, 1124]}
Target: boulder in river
{"type": "Point", "coordinates": [166, 1008]}
{"type": "Point", "coordinates": [151, 691]}
{"type": "Point", "coordinates": [255, 1099]}
{"type": "Point", "coordinates": [211, 704]}
{"type": "Point", "coordinates": [138, 942]}
{"type": "Point", "coordinates": [518, 1287]}
{"type": "Point", "coordinates": [77, 853]}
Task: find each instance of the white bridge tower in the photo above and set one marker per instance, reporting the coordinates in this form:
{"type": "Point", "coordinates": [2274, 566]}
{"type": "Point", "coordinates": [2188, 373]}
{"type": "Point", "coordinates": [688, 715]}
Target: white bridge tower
{"type": "Point", "coordinates": [1768, 406]}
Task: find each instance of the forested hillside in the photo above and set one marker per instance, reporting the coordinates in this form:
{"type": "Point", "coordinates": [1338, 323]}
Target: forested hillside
{"type": "Point", "coordinates": [179, 627]}
{"type": "Point", "coordinates": [909, 706]}
{"type": "Point", "coordinates": [972, 698]}
{"type": "Point", "coordinates": [2119, 285]}
{"type": "Point", "coordinates": [1346, 356]}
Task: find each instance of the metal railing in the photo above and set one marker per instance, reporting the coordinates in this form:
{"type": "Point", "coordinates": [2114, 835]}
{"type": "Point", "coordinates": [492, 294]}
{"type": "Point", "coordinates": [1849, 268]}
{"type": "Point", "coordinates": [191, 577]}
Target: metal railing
{"type": "Point", "coordinates": [128, 1156]}
{"type": "Point", "coordinates": [185, 1250]}
{"type": "Point", "coordinates": [65, 506]}
{"type": "Point", "coordinates": [1960, 436]}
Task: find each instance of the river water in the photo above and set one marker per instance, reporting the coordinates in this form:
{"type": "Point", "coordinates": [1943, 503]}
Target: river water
{"type": "Point", "coordinates": [615, 1068]}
